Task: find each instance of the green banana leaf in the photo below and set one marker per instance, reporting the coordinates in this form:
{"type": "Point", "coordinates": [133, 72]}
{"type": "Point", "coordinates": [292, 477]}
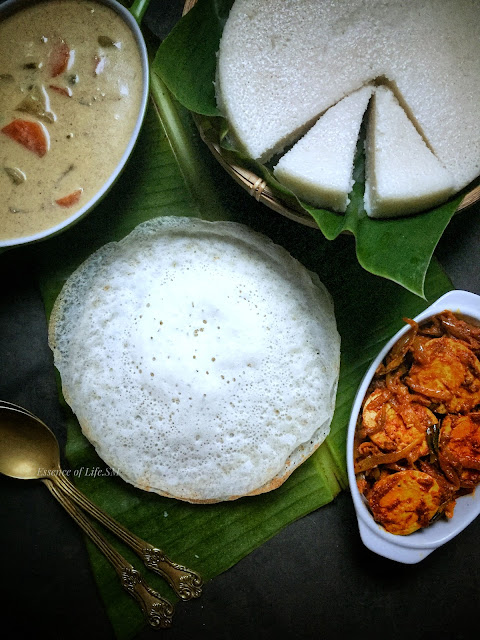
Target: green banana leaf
{"type": "Point", "coordinates": [398, 249]}
{"type": "Point", "coordinates": [171, 172]}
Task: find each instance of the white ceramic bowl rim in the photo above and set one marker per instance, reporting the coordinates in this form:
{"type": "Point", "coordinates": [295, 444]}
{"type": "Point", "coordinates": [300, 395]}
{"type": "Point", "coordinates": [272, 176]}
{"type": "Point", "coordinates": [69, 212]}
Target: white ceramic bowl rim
{"type": "Point", "coordinates": [374, 536]}
{"type": "Point", "coordinates": [10, 6]}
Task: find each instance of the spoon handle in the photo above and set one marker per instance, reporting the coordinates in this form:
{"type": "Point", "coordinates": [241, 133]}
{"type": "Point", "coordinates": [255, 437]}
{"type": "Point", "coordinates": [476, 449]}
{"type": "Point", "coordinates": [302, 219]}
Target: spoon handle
{"type": "Point", "coordinates": [185, 582]}
{"type": "Point", "coordinates": [157, 610]}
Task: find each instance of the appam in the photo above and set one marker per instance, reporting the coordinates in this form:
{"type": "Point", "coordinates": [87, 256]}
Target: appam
{"type": "Point", "coordinates": [200, 358]}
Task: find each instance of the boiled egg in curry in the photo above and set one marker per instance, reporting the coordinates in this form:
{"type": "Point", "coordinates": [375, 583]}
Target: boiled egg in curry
{"type": "Point", "coordinates": [448, 373]}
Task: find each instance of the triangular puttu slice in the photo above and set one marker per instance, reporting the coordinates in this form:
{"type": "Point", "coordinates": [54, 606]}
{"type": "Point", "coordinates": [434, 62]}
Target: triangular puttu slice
{"type": "Point", "coordinates": [319, 167]}
{"type": "Point", "coordinates": [402, 175]}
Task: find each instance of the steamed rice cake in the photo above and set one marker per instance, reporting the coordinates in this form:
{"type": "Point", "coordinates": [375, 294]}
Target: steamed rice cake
{"type": "Point", "coordinates": [200, 359]}
{"type": "Point", "coordinates": [402, 174]}
{"type": "Point", "coordinates": [319, 167]}
{"type": "Point", "coordinates": [284, 63]}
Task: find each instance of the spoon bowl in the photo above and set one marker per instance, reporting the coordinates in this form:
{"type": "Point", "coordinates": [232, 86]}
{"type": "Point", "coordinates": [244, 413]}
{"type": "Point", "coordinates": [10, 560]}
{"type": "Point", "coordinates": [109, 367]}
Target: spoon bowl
{"type": "Point", "coordinates": [29, 448]}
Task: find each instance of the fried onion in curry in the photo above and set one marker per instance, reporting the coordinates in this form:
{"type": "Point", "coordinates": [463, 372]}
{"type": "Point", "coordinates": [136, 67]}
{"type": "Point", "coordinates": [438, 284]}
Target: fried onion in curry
{"type": "Point", "coordinates": [417, 442]}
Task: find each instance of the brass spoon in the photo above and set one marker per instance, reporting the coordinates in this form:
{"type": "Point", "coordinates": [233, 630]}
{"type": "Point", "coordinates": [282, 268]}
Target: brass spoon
{"type": "Point", "coordinates": [30, 451]}
{"type": "Point", "coordinates": [185, 582]}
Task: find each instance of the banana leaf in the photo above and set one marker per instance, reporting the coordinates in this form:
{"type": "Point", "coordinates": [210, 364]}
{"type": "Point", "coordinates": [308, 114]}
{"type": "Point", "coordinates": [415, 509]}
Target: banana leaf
{"type": "Point", "coordinates": [398, 249]}
{"type": "Point", "coordinates": [171, 172]}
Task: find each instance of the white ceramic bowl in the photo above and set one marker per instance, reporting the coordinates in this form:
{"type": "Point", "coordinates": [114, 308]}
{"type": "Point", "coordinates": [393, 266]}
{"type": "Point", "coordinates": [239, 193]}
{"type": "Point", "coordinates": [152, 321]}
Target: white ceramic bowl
{"type": "Point", "coordinates": [10, 6]}
{"type": "Point", "coordinates": [416, 546]}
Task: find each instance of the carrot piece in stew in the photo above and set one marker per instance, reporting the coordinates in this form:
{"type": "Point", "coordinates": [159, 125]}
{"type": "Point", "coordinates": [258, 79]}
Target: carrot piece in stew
{"type": "Point", "coordinates": [59, 59]}
{"type": "Point", "coordinates": [63, 91]}
{"type": "Point", "coordinates": [32, 135]}
{"type": "Point", "coordinates": [71, 199]}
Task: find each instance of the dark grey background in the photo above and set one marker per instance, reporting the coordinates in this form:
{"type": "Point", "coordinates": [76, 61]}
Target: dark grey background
{"type": "Point", "coordinates": [313, 580]}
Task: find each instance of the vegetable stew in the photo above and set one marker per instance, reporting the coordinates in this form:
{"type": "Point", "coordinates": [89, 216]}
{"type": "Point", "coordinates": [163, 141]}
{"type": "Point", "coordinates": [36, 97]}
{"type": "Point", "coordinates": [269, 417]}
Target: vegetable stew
{"type": "Point", "coordinates": [70, 94]}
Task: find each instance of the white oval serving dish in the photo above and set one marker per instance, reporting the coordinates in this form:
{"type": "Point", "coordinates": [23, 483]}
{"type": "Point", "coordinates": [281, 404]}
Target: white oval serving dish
{"type": "Point", "coordinates": [416, 546]}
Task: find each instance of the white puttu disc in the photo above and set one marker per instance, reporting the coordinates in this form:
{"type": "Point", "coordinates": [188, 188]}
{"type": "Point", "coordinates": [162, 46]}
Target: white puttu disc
{"type": "Point", "coordinates": [200, 358]}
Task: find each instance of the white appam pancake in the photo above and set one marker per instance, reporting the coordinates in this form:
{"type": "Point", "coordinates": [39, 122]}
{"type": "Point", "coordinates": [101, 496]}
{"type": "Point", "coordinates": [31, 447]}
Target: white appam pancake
{"type": "Point", "coordinates": [200, 358]}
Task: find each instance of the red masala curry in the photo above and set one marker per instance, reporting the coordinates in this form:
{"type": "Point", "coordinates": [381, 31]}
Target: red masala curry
{"type": "Point", "coordinates": [417, 445]}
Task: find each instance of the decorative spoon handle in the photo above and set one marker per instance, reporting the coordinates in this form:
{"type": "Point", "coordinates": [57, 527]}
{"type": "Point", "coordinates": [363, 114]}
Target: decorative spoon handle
{"type": "Point", "coordinates": [157, 610]}
{"type": "Point", "coordinates": [186, 583]}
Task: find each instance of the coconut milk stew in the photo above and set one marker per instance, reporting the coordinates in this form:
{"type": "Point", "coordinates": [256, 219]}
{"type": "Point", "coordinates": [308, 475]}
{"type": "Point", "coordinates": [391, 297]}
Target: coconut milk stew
{"type": "Point", "coordinates": [70, 93]}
